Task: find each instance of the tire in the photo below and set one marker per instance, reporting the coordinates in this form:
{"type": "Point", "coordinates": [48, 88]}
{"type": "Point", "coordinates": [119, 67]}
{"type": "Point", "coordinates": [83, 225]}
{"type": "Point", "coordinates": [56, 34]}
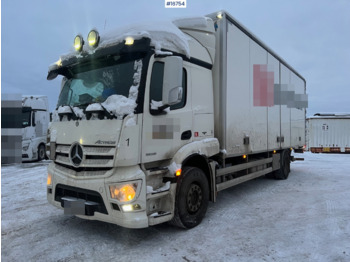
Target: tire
{"type": "Point", "coordinates": [192, 197]}
{"type": "Point", "coordinates": [284, 170]}
{"type": "Point", "coordinates": [41, 152]}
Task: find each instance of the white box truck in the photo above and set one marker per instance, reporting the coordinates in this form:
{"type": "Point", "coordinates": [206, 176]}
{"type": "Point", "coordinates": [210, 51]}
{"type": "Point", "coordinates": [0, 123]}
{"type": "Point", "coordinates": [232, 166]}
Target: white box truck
{"type": "Point", "coordinates": [35, 121]}
{"type": "Point", "coordinates": [154, 120]}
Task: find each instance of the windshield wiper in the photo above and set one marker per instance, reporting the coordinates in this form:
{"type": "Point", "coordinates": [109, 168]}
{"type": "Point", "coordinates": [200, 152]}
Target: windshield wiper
{"type": "Point", "coordinates": [109, 114]}
{"type": "Point", "coordinates": [69, 114]}
{"type": "Point", "coordinates": [99, 111]}
{"type": "Point", "coordinates": [75, 115]}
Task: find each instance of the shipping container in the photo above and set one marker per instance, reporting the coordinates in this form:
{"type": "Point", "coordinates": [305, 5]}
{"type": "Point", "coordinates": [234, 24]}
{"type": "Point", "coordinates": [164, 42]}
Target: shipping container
{"type": "Point", "coordinates": [328, 133]}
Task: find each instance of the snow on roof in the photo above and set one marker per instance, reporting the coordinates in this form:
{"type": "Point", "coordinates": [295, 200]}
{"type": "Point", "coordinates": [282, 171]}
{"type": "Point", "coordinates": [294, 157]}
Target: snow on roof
{"type": "Point", "coordinates": [330, 115]}
{"type": "Point", "coordinates": [191, 22]}
{"type": "Point", "coordinates": [163, 35]}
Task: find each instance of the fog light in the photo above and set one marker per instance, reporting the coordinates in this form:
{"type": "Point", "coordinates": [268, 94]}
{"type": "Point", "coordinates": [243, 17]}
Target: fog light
{"type": "Point", "coordinates": [129, 208]}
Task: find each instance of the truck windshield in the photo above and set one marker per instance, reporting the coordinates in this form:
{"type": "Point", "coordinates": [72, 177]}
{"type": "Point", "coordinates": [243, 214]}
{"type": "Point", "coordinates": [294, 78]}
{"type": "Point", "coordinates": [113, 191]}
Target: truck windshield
{"type": "Point", "coordinates": [96, 81]}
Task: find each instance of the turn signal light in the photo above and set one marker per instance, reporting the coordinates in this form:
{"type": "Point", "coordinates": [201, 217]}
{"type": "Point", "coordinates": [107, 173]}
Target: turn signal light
{"type": "Point", "coordinates": [178, 172]}
{"type": "Point", "coordinates": [49, 180]}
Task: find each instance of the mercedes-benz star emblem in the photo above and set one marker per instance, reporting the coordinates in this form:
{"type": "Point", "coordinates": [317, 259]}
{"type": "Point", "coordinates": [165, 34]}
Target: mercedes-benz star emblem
{"type": "Point", "coordinates": [76, 154]}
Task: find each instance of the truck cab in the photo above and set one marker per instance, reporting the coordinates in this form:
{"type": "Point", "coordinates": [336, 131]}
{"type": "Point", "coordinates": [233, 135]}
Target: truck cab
{"type": "Point", "coordinates": [127, 110]}
{"type": "Point", "coordinates": [35, 121]}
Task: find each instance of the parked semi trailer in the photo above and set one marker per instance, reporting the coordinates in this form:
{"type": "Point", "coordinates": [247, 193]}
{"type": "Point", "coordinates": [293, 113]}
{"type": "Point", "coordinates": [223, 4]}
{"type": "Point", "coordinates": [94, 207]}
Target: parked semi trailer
{"type": "Point", "coordinates": [328, 133]}
{"type": "Point", "coordinates": [153, 121]}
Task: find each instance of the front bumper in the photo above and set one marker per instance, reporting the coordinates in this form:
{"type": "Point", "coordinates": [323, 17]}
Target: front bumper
{"type": "Point", "coordinates": [71, 193]}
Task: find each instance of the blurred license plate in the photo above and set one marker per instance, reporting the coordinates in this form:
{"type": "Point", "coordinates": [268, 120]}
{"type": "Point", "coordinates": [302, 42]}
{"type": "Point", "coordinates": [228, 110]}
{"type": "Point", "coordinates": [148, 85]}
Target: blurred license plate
{"type": "Point", "coordinates": [74, 206]}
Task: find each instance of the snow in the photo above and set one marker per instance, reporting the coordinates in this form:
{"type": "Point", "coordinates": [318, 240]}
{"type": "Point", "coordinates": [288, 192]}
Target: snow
{"type": "Point", "coordinates": [303, 218]}
{"type": "Point", "coordinates": [157, 104]}
{"type": "Point", "coordinates": [191, 22]}
{"type": "Point", "coordinates": [163, 35]}
{"type": "Point", "coordinates": [94, 107]}
{"type": "Point", "coordinates": [174, 167]}
{"type": "Point", "coordinates": [64, 109]}
{"type": "Point", "coordinates": [131, 120]}
{"type": "Point", "coordinates": [166, 187]}
{"type": "Point", "coordinates": [119, 105]}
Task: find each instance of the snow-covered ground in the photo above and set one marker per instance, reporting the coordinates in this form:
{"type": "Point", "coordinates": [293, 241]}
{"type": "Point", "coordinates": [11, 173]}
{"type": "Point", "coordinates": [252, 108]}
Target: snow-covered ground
{"type": "Point", "coordinates": [304, 218]}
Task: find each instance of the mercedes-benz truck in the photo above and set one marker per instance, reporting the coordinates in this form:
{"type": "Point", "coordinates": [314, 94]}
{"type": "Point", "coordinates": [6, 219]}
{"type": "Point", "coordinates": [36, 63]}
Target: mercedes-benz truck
{"type": "Point", "coordinates": [154, 120]}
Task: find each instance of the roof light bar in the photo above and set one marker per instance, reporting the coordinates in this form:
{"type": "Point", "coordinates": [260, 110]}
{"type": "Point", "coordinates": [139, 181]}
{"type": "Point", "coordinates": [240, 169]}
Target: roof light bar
{"type": "Point", "coordinates": [93, 38]}
{"type": "Point", "coordinates": [78, 43]}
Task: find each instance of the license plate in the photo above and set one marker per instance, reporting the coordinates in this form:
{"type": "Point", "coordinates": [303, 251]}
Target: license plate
{"type": "Point", "coordinates": [326, 149]}
{"type": "Point", "coordinates": [74, 207]}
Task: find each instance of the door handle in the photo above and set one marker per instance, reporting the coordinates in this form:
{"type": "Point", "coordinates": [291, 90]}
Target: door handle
{"type": "Point", "coordinates": [186, 135]}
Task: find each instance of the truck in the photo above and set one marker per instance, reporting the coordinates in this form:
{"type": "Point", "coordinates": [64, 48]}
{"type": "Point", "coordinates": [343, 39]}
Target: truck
{"type": "Point", "coordinates": [35, 122]}
{"type": "Point", "coordinates": [154, 120]}
{"type": "Point", "coordinates": [328, 133]}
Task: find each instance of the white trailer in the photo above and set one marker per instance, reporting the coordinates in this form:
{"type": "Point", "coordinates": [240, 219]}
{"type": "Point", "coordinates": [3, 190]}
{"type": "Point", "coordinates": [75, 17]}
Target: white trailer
{"type": "Point", "coordinates": [328, 133]}
{"type": "Point", "coordinates": [35, 121]}
{"type": "Point", "coordinates": [154, 120]}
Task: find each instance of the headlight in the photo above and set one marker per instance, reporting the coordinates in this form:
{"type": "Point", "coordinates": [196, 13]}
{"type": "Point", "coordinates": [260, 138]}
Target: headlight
{"type": "Point", "coordinates": [124, 192]}
{"type": "Point", "coordinates": [25, 147]}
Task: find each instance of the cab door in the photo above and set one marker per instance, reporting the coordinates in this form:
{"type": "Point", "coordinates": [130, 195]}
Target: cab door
{"type": "Point", "coordinates": [165, 131]}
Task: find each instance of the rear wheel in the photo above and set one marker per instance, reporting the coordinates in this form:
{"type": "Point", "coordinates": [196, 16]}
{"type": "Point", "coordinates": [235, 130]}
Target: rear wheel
{"type": "Point", "coordinates": [284, 170]}
{"type": "Point", "coordinates": [41, 152]}
{"type": "Point", "coordinates": [192, 197]}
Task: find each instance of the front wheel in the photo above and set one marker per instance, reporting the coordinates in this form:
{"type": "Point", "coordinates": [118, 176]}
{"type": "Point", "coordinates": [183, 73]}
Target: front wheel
{"type": "Point", "coordinates": [41, 152]}
{"type": "Point", "coordinates": [192, 197]}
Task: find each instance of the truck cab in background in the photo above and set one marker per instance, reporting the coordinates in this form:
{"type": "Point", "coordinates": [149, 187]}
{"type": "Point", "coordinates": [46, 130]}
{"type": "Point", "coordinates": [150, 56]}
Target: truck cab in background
{"type": "Point", "coordinates": [35, 122]}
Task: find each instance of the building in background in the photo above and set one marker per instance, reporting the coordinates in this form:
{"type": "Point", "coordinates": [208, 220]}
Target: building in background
{"type": "Point", "coordinates": [11, 128]}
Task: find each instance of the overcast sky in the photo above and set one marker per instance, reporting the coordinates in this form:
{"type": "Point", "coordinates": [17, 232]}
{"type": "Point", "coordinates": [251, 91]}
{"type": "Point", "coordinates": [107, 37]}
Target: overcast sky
{"type": "Point", "coordinates": [313, 36]}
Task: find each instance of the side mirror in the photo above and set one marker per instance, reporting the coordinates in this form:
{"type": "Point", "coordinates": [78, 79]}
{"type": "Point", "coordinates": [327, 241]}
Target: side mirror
{"type": "Point", "coordinates": [172, 81]}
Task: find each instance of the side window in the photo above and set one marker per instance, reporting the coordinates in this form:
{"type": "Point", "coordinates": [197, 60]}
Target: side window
{"type": "Point", "coordinates": [156, 92]}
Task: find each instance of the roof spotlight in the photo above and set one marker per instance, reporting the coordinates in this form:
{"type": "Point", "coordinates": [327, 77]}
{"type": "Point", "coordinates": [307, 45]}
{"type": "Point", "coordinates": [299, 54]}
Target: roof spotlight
{"type": "Point", "coordinates": [78, 43]}
{"type": "Point", "coordinates": [93, 38]}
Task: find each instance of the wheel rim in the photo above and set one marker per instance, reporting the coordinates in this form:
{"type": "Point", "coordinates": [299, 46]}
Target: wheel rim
{"type": "Point", "coordinates": [41, 152]}
{"type": "Point", "coordinates": [194, 198]}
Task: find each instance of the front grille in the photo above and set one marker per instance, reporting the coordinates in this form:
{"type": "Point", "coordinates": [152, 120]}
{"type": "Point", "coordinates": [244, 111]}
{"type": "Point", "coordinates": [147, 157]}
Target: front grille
{"type": "Point", "coordinates": [84, 194]}
{"type": "Point", "coordinates": [94, 157]}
